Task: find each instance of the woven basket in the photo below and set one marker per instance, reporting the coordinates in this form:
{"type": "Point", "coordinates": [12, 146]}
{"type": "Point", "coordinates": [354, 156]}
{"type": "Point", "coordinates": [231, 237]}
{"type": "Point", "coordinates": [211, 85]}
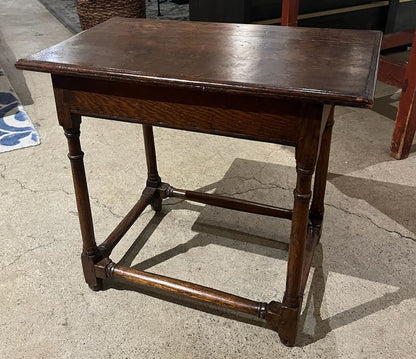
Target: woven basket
{"type": "Point", "coordinates": [94, 12]}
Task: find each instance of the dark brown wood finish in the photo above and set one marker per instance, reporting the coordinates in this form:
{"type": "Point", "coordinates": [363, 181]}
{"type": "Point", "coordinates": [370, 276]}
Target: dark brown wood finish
{"type": "Point", "coordinates": [153, 179]}
{"type": "Point", "coordinates": [117, 234]}
{"type": "Point", "coordinates": [261, 83]}
{"type": "Point", "coordinates": [107, 269]}
{"type": "Point", "coordinates": [225, 202]}
{"type": "Point", "coordinates": [251, 59]}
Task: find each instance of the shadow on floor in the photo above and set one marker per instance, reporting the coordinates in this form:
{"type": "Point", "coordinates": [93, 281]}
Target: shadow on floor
{"type": "Point", "coordinates": [386, 106]}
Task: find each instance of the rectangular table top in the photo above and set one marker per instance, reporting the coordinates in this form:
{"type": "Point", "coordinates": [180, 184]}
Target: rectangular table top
{"type": "Point", "coordinates": [318, 65]}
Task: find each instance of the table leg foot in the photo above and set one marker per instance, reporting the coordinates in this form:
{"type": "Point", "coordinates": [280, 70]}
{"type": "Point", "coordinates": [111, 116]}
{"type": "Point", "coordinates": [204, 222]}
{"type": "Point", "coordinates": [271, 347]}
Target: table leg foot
{"type": "Point", "coordinates": [284, 320]}
{"type": "Point", "coordinates": [98, 286]}
{"type": "Point", "coordinates": [315, 227]}
{"type": "Point", "coordinates": [88, 266]}
{"type": "Point", "coordinates": [288, 328]}
{"type": "Point", "coordinates": [156, 203]}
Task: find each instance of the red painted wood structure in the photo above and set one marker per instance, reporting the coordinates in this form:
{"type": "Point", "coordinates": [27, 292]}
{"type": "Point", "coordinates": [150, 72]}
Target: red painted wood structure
{"type": "Point", "coordinates": [403, 76]}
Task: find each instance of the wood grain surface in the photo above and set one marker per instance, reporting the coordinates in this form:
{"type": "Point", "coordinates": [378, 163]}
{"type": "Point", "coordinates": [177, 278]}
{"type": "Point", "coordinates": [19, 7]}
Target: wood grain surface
{"type": "Point", "coordinates": [321, 65]}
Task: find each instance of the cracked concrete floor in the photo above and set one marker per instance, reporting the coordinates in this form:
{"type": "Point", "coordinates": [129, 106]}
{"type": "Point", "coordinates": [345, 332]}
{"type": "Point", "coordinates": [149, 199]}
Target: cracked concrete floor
{"type": "Point", "coordinates": [360, 300]}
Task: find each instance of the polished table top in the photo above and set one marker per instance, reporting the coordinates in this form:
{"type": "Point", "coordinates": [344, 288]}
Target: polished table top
{"type": "Point", "coordinates": [317, 65]}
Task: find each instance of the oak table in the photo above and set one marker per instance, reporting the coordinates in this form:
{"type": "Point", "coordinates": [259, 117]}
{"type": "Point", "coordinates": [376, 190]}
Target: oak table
{"type": "Point", "coordinates": [257, 82]}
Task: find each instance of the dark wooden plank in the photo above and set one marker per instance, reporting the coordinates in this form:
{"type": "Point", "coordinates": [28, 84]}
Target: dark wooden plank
{"type": "Point", "coordinates": [226, 122]}
{"type": "Point", "coordinates": [230, 203]}
{"type": "Point", "coordinates": [263, 119]}
{"type": "Point", "coordinates": [253, 59]}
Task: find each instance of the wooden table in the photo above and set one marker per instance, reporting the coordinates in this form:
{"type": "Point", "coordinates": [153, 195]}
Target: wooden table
{"type": "Point", "coordinates": [262, 83]}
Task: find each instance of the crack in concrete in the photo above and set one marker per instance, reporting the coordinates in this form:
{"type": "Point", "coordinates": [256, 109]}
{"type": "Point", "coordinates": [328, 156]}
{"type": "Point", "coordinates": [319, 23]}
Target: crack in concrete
{"type": "Point", "coordinates": [23, 186]}
{"type": "Point", "coordinates": [29, 250]}
{"type": "Point", "coordinates": [327, 204]}
{"type": "Point", "coordinates": [212, 157]}
{"type": "Point", "coordinates": [249, 190]}
{"type": "Point", "coordinates": [104, 206]}
{"type": "Point", "coordinates": [370, 220]}
{"type": "Point", "coordinates": [3, 170]}
{"type": "Point", "coordinates": [253, 178]}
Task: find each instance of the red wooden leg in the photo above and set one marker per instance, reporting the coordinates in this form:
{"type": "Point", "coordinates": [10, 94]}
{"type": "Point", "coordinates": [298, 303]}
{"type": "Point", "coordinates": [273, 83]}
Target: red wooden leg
{"type": "Point", "coordinates": [405, 125]}
{"type": "Point", "coordinates": [290, 9]}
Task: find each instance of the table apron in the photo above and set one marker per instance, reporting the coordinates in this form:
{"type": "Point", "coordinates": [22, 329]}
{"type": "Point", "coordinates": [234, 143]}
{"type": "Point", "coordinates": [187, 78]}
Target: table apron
{"type": "Point", "coordinates": [249, 117]}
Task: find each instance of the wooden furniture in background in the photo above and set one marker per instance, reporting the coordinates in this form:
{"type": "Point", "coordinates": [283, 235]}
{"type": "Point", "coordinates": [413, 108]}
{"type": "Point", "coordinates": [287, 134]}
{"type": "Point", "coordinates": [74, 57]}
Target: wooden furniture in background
{"type": "Point", "coordinates": [246, 81]}
{"type": "Point", "coordinates": [290, 10]}
{"type": "Point", "coordinates": [401, 75]}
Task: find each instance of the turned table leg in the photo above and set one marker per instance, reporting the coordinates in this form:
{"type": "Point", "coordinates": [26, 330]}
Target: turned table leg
{"type": "Point", "coordinates": [153, 178]}
{"type": "Point", "coordinates": [292, 300]}
{"type": "Point", "coordinates": [89, 252]}
{"type": "Point", "coordinates": [298, 260]}
{"type": "Point", "coordinates": [71, 124]}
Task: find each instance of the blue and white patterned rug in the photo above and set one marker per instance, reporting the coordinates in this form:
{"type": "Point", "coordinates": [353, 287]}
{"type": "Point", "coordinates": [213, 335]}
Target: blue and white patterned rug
{"type": "Point", "coordinates": [16, 129]}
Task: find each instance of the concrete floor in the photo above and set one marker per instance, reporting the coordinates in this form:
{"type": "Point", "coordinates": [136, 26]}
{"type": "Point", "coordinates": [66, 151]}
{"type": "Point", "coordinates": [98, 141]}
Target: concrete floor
{"type": "Point", "coordinates": [361, 301]}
